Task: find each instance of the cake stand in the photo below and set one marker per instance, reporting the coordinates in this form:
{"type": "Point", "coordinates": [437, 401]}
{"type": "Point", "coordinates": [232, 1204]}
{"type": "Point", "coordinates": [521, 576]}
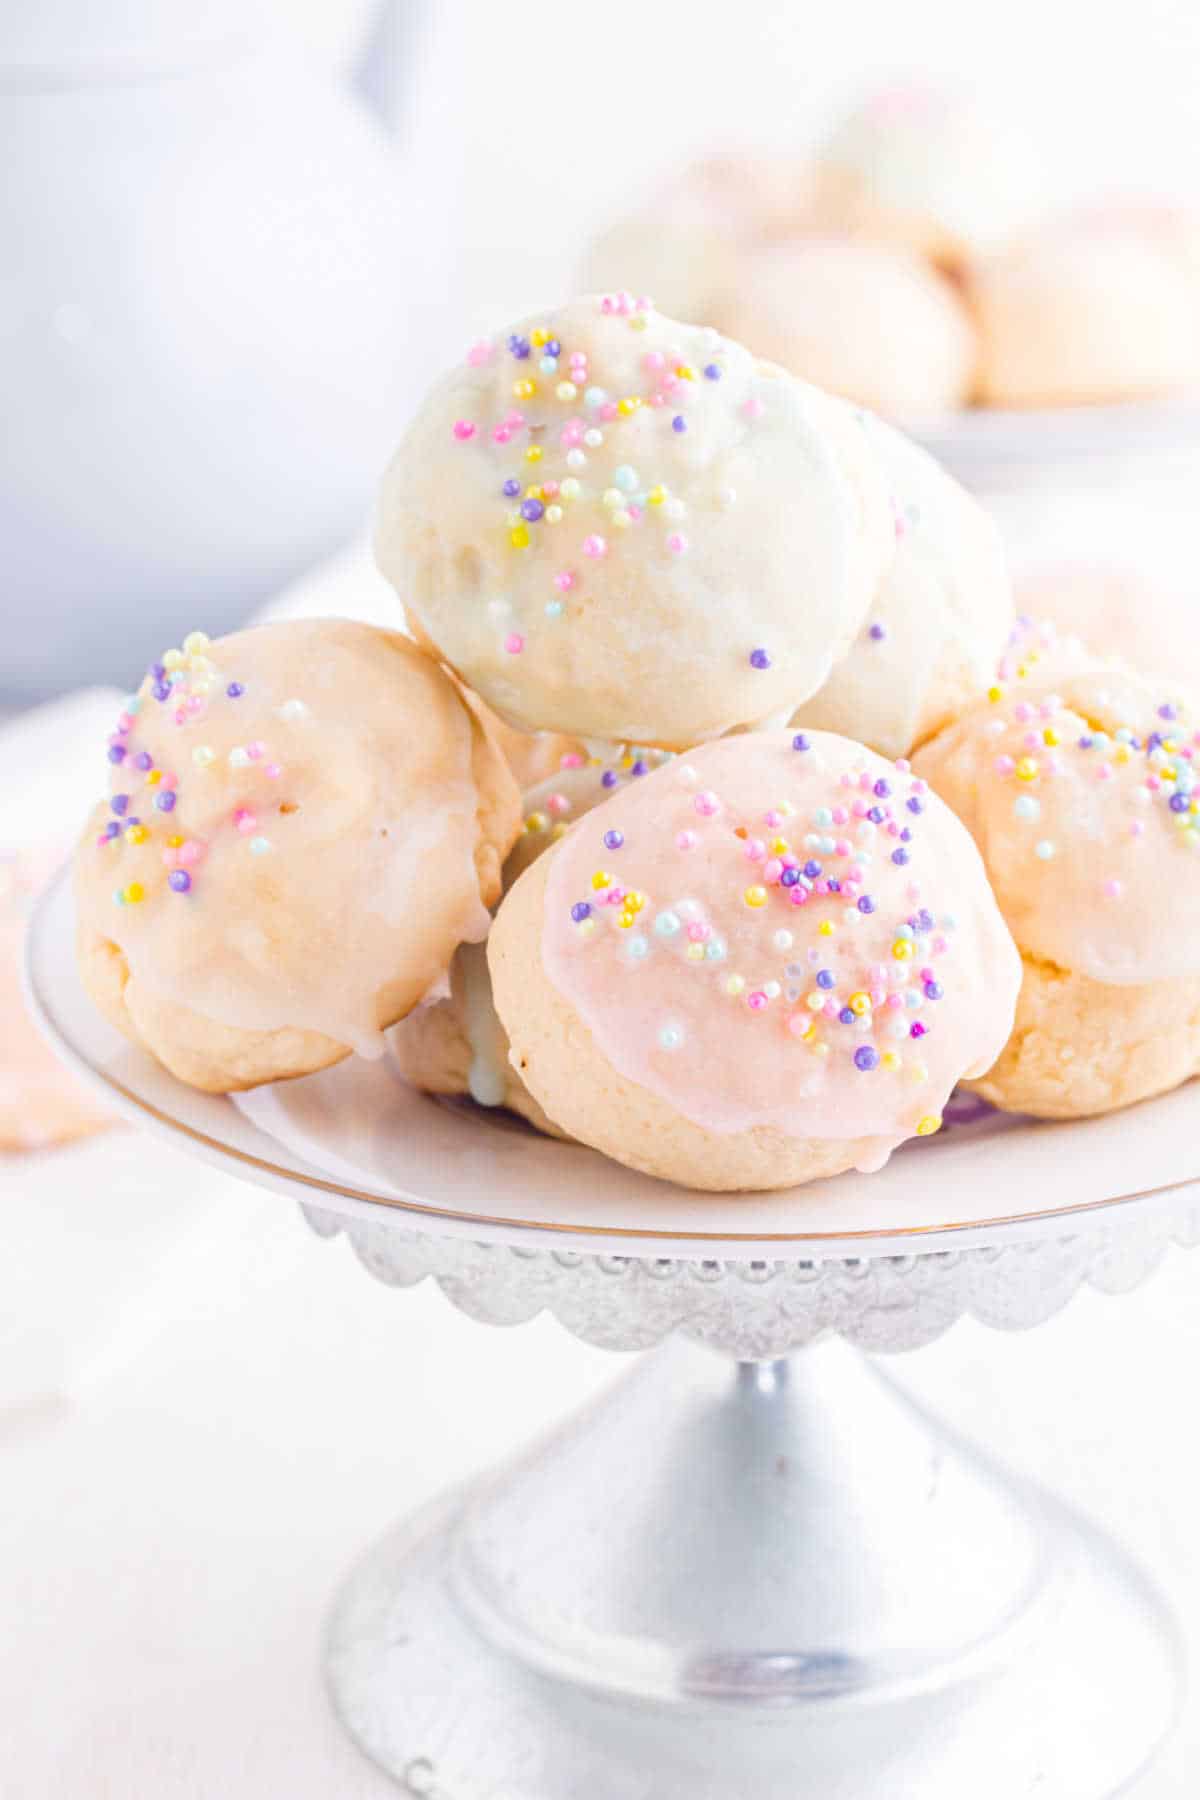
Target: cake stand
{"type": "Point", "coordinates": [754, 1569]}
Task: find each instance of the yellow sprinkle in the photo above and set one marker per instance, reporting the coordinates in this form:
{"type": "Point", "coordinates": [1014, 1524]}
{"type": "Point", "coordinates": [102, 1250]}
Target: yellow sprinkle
{"type": "Point", "coordinates": [656, 496]}
{"type": "Point", "coordinates": [625, 920]}
{"type": "Point", "coordinates": [928, 1125]}
{"type": "Point", "coordinates": [534, 453]}
{"type": "Point", "coordinates": [195, 643]}
{"type": "Point", "coordinates": [695, 952]}
{"type": "Point", "coordinates": [1027, 769]}
{"type": "Point", "coordinates": [559, 830]}
{"type": "Point", "coordinates": [995, 693]}
{"type": "Point", "coordinates": [154, 777]}
{"type": "Point", "coordinates": [685, 372]}
{"type": "Point", "coordinates": [809, 1033]}
{"type": "Point", "coordinates": [621, 520]}
{"type": "Point", "coordinates": [634, 901]}
{"type": "Point", "coordinates": [539, 337]}
{"type": "Point", "coordinates": [1050, 737]}
{"type": "Point", "coordinates": [890, 1060]}
{"type": "Point", "coordinates": [533, 493]}
{"type": "Point", "coordinates": [202, 756]}
{"type": "Point", "coordinates": [524, 389]}
{"type": "Point", "coordinates": [734, 985]}
{"type": "Point", "coordinates": [814, 1001]}
{"type": "Point", "coordinates": [755, 896]}
{"type": "Point", "coordinates": [601, 879]}
{"type": "Point", "coordinates": [518, 537]}
{"type": "Point", "coordinates": [628, 406]}
{"type": "Point", "coordinates": [135, 892]}
{"type": "Point", "coordinates": [172, 659]}
{"type": "Point", "coordinates": [553, 515]}
{"type": "Point", "coordinates": [174, 841]}
{"type": "Point", "coordinates": [860, 1003]}
{"type": "Point", "coordinates": [821, 1049]}
{"type": "Point", "coordinates": [779, 846]}
{"type": "Point", "coordinates": [826, 928]}
{"type": "Point", "coordinates": [918, 1071]}
{"type": "Point", "coordinates": [586, 928]}
{"type": "Point", "coordinates": [537, 821]}
{"type": "Point", "coordinates": [1121, 753]}
{"type": "Point", "coordinates": [566, 390]}
{"type": "Point", "coordinates": [137, 834]}
{"type": "Point", "coordinates": [902, 949]}
{"type": "Point", "coordinates": [612, 497]}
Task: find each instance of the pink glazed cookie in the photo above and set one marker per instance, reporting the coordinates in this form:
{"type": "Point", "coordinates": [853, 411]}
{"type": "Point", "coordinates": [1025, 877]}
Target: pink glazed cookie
{"type": "Point", "coordinates": [770, 961]}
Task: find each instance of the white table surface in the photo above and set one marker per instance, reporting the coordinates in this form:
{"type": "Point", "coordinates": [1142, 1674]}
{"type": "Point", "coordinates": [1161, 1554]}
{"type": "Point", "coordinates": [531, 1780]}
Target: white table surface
{"type": "Point", "coordinates": [206, 1413]}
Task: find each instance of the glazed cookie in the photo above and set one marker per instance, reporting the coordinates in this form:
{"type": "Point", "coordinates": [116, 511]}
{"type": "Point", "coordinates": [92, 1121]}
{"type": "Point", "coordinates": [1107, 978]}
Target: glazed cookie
{"type": "Point", "coordinates": [1081, 316]}
{"type": "Point", "coordinates": [630, 530]}
{"type": "Point", "coordinates": [929, 170]}
{"type": "Point", "coordinates": [877, 326]}
{"type": "Point", "coordinates": [771, 960]}
{"type": "Point", "coordinates": [41, 1103]}
{"type": "Point", "coordinates": [941, 618]}
{"type": "Point", "coordinates": [456, 1043]}
{"type": "Point", "coordinates": [1081, 794]}
{"type": "Point", "coordinates": [1124, 614]}
{"type": "Point", "coordinates": [305, 821]}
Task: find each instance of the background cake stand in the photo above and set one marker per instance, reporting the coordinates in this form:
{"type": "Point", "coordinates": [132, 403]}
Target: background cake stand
{"type": "Point", "coordinates": [746, 1572]}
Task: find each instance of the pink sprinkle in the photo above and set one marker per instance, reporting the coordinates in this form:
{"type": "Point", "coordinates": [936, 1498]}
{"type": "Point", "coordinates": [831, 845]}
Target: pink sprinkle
{"type": "Point", "coordinates": [614, 896]}
{"type": "Point", "coordinates": [798, 1024]}
{"type": "Point", "coordinates": [1136, 828]}
{"type": "Point", "coordinates": [514, 643]}
{"type": "Point", "coordinates": [654, 359]}
{"type": "Point", "coordinates": [170, 856]}
{"type": "Point", "coordinates": [772, 870]}
{"type": "Point", "coordinates": [864, 781]}
{"type": "Point", "coordinates": [191, 853]}
{"type": "Point", "coordinates": [677, 543]}
{"type": "Point", "coordinates": [940, 946]}
{"type": "Point", "coordinates": [479, 354]}
{"type": "Point", "coordinates": [463, 429]}
{"type": "Point", "coordinates": [125, 722]}
{"type": "Point", "coordinates": [1004, 765]}
{"type": "Point", "coordinates": [799, 894]}
{"type": "Point", "coordinates": [1022, 712]}
{"type": "Point", "coordinates": [256, 750]}
{"type": "Point", "coordinates": [564, 581]}
{"type": "Point", "coordinates": [1112, 888]}
{"type": "Point", "coordinates": [571, 435]}
{"type": "Point", "coordinates": [594, 546]}
{"type": "Point", "coordinates": [707, 804]}
{"type": "Point", "coordinates": [894, 1001]}
{"type": "Point", "coordinates": [755, 849]}
{"type": "Point", "coordinates": [501, 434]}
{"type": "Point", "coordinates": [1104, 772]}
{"type": "Point", "coordinates": [514, 420]}
{"type": "Point", "coordinates": [840, 815]}
{"type": "Point", "coordinates": [697, 932]}
{"type": "Point", "coordinates": [549, 490]}
{"type": "Point", "coordinates": [842, 847]}
{"type": "Point", "coordinates": [754, 407]}
{"type": "Point", "coordinates": [756, 1001]}
{"type": "Point", "coordinates": [1031, 740]}
{"type": "Point", "coordinates": [860, 809]}
{"type": "Point", "coordinates": [572, 760]}
{"type": "Point", "coordinates": [246, 823]}
{"type": "Point", "coordinates": [773, 819]}
{"type": "Point", "coordinates": [608, 412]}
{"type": "Point", "coordinates": [170, 781]}
{"type": "Point", "coordinates": [634, 511]}
{"type": "Point", "coordinates": [878, 996]}
{"type": "Point", "coordinates": [273, 771]}
{"type": "Point", "coordinates": [558, 804]}
{"type": "Point", "coordinates": [903, 764]}
{"type": "Point", "coordinates": [686, 840]}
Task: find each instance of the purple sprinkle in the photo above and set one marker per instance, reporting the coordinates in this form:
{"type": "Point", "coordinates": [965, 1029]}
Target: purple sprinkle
{"type": "Point", "coordinates": [165, 801]}
{"type": "Point", "coordinates": [900, 856]}
{"type": "Point", "coordinates": [711, 372]}
{"type": "Point", "coordinates": [116, 753]}
{"type": "Point", "coordinates": [131, 822]}
{"type": "Point", "coordinates": [640, 768]}
{"type": "Point", "coordinates": [512, 488]}
{"type": "Point", "coordinates": [914, 805]}
{"type": "Point", "coordinates": [881, 789]}
{"type": "Point", "coordinates": [866, 1058]}
{"type": "Point", "coordinates": [759, 659]}
{"type": "Point", "coordinates": [532, 510]}
{"type": "Point", "coordinates": [161, 690]}
{"type": "Point", "coordinates": [833, 885]}
{"type": "Point", "coordinates": [826, 978]}
{"type": "Point", "coordinates": [812, 869]}
{"type": "Point", "coordinates": [179, 880]}
{"type": "Point", "coordinates": [846, 1017]}
{"type": "Point", "coordinates": [878, 633]}
{"type": "Point", "coordinates": [800, 742]}
{"type": "Point", "coordinates": [110, 831]}
{"type": "Point", "coordinates": [918, 1030]}
{"type": "Point", "coordinates": [876, 815]}
{"type": "Point", "coordinates": [1154, 741]}
{"type": "Point", "coordinates": [789, 878]}
{"type": "Point", "coordinates": [1179, 802]}
{"type": "Point", "coordinates": [609, 778]}
{"type": "Point", "coordinates": [934, 990]}
{"type": "Point", "coordinates": [143, 760]}
{"type": "Point", "coordinates": [613, 840]}
{"type": "Point", "coordinates": [1167, 712]}
{"type": "Point", "coordinates": [552, 347]}
{"type": "Point", "coordinates": [866, 904]}
{"type": "Point", "coordinates": [158, 670]}
{"type": "Point", "coordinates": [906, 836]}
{"type": "Point", "coordinates": [1086, 742]}
{"type": "Point", "coordinates": [519, 347]}
{"type": "Point", "coordinates": [924, 920]}
{"type": "Point", "coordinates": [679, 423]}
{"type": "Point", "coordinates": [119, 804]}
{"type": "Point", "coordinates": [235, 690]}
{"type": "Point", "coordinates": [581, 910]}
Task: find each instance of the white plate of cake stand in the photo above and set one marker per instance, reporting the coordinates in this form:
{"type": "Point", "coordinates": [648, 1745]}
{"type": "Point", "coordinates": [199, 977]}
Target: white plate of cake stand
{"type": "Point", "coordinates": [753, 1570]}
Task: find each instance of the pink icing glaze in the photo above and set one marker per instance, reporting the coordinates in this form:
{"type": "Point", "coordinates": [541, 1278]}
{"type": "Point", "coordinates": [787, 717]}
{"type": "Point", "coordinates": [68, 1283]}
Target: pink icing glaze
{"type": "Point", "coordinates": [740, 1022]}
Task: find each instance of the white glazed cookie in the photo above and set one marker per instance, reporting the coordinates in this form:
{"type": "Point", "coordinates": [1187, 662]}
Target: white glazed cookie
{"type": "Point", "coordinates": [630, 530]}
{"type": "Point", "coordinates": [305, 821]}
{"type": "Point", "coordinates": [939, 622]}
{"type": "Point", "coordinates": [878, 326]}
{"type": "Point", "coordinates": [1084, 315]}
{"type": "Point", "coordinates": [770, 960]}
{"type": "Point", "coordinates": [1080, 790]}
{"type": "Point", "coordinates": [456, 1044]}
{"type": "Point", "coordinates": [1123, 614]}
{"type": "Point", "coordinates": [928, 169]}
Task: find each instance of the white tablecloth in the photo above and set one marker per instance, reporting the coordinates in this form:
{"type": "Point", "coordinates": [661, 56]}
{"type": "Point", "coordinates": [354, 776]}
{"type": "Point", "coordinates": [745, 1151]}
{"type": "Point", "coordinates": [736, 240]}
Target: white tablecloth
{"type": "Point", "coordinates": [206, 1413]}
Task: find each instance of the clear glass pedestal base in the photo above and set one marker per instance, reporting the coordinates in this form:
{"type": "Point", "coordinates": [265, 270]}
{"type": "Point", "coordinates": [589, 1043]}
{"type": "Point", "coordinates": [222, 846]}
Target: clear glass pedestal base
{"type": "Point", "coordinates": [752, 1582]}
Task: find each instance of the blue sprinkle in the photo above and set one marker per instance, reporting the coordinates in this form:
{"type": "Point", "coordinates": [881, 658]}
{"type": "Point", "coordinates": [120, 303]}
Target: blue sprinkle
{"type": "Point", "coordinates": [640, 768]}
{"type": "Point", "coordinates": [179, 880]}
{"type": "Point", "coordinates": [165, 802]}
{"type": "Point", "coordinates": [712, 372]}
{"type": "Point", "coordinates": [532, 510]}
{"type": "Point", "coordinates": [519, 347]}
{"type": "Point", "coordinates": [235, 690]}
{"type": "Point", "coordinates": [161, 690]}
{"type": "Point", "coordinates": [882, 789]}
{"type": "Point", "coordinates": [900, 857]}
{"type": "Point", "coordinates": [826, 978]}
{"type": "Point", "coordinates": [116, 753]}
{"type": "Point", "coordinates": [876, 815]}
{"type": "Point", "coordinates": [608, 779]}
{"type": "Point", "coordinates": [866, 904]}
{"type": "Point", "coordinates": [679, 423]}
{"type": "Point", "coordinates": [143, 760]}
{"type": "Point", "coordinates": [846, 1017]}
{"type": "Point", "coordinates": [800, 742]}
{"type": "Point", "coordinates": [119, 804]}
{"type": "Point", "coordinates": [865, 1058]}
{"type": "Point", "coordinates": [512, 488]}
{"type": "Point", "coordinates": [914, 805]}
{"type": "Point", "coordinates": [933, 990]}
{"type": "Point", "coordinates": [613, 840]}
{"type": "Point", "coordinates": [580, 911]}
{"type": "Point", "coordinates": [759, 659]}
{"type": "Point", "coordinates": [1179, 803]}
{"type": "Point", "coordinates": [812, 870]}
